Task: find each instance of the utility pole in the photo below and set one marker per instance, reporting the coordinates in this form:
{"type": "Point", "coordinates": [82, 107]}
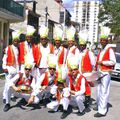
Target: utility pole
{"type": "Point", "coordinates": [46, 15]}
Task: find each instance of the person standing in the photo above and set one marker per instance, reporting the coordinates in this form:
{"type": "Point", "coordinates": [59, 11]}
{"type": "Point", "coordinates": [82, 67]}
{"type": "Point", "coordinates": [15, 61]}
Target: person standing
{"type": "Point", "coordinates": [105, 63]}
{"type": "Point", "coordinates": [72, 49]}
{"type": "Point", "coordinates": [59, 50]}
{"type": "Point", "coordinates": [42, 50]}
{"type": "Point", "coordinates": [10, 60]}
{"type": "Point", "coordinates": [86, 61]}
{"type": "Point", "coordinates": [25, 48]}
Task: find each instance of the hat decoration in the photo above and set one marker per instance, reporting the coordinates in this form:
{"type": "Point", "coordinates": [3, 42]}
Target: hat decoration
{"type": "Point", "coordinates": [58, 33]}
{"type": "Point", "coordinates": [30, 30]}
{"type": "Point", "coordinates": [70, 33]}
{"type": "Point", "coordinates": [43, 31]}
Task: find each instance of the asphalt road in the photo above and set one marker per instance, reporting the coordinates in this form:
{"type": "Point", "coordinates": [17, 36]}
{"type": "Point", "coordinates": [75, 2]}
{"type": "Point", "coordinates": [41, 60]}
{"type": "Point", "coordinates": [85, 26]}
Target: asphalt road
{"type": "Point", "coordinates": [16, 113]}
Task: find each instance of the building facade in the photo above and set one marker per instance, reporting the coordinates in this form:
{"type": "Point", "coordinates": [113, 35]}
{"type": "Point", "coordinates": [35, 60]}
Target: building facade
{"type": "Point", "coordinates": [86, 14]}
{"type": "Point", "coordinates": [10, 12]}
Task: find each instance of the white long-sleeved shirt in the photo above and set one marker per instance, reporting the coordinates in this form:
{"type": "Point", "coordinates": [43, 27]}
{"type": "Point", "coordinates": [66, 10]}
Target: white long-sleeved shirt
{"type": "Point", "coordinates": [110, 62]}
{"type": "Point", "coordinates": [14, 80]}
{"type": "Point", "coordinates": [45, 51]}
{"type": "Point", "coordinates": [82, 87]}
{"type": "Point", "coordinates": [16, 64]}
{"type": "Point", "coordinates": [38, 85]}
{"type": "Point", "coordinates": [91, 56]}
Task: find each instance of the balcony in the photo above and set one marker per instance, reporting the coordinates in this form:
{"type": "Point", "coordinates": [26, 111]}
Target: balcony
{"type": "Point", "coordinates": [11, 10]}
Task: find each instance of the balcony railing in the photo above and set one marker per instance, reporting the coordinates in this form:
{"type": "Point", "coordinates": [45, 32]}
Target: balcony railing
{"type": "Point", "coordinates": [12, 7]}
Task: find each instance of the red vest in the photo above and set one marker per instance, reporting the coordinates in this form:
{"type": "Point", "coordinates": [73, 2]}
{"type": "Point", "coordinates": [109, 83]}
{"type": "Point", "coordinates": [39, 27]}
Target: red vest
{"type": "Point", "coordinates": [73, 51]}
{"type": "Point", "coordinates": [86, 63]}
{"type": "Point", "coordinates": [61, 56]}
{"type": "Point", "coordinates": [46, 81]}
{"type": "Point", "coordinates": [21, 81]}
{"type": "Point", "coordinates": [77, 85]}
{"type": "Point", "coordinates": [37, 53]}
{"type": "Point", "coordinates": [22, 52]}
{"type": "Point", "coordinates": [106, 57]}
{"type": "Point", "coordinates": [10, 56]}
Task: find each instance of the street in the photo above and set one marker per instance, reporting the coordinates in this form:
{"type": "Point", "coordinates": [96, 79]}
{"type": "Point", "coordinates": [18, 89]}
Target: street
{"type": "Point", "coordinates": [42, 114]}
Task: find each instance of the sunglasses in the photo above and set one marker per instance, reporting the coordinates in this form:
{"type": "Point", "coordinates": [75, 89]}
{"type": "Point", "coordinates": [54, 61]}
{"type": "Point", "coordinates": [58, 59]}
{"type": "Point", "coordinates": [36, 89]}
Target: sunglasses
{"type": "Point", "coordinates": [52, 68]}
{"type": "Point", "coordinates": [27, 69]}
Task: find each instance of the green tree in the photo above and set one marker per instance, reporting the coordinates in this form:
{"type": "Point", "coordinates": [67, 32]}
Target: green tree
{"type": "Point", "coordinates": [110, 15]}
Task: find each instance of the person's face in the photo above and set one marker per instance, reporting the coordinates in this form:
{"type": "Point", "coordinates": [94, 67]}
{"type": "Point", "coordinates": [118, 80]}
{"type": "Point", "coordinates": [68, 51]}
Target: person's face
{"type": "Point", "coordinates": [82, 47]}
{"type": "Point", "coordinates": [57, 43]}
{"type": "Point", "coordinates": [29, 39]}
{"type": "Point", "coordinates": [52, 70]}
{"type": "Point", "coordinates": [44, 41]}
{"type": "Point", "coordinates": [15, 42]}
{"type": "Point", "coordinates": [70, 43]}
{"type": "Point", "coordinates": [103, 42]}
{"type": "Point", "coordinates": [27, 71]}
{"type": "Point", "coordinates": [74, 72]}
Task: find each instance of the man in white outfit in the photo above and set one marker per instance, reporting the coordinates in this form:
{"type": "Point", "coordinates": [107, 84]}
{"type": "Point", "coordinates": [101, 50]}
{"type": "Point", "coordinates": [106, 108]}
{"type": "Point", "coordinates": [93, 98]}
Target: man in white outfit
{"type": "Point", "coordinates": [10, 60]}
{"type": "Point", "coordinates": [21, 85]}
{"type": "Point", "coordinates": [105, 63]}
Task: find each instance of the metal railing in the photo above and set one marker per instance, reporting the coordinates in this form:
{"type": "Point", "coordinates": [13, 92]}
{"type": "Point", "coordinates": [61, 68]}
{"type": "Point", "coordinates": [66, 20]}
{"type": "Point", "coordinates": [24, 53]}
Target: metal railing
{"type": "Point", "coordinates": [12, 7]}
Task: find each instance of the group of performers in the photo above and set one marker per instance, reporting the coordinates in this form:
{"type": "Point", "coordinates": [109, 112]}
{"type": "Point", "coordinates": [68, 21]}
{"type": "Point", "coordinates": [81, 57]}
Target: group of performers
{"type": "Point", "coordinates": [43, 71]}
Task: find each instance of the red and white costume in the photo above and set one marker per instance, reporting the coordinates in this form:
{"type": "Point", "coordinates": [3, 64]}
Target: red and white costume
{"type": "Point", "coordinates": [107, 56]}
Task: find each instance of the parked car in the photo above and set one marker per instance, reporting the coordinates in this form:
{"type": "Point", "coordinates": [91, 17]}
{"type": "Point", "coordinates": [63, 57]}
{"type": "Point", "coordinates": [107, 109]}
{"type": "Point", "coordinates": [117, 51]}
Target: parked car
{"type": "Point", "coordinates": [116, 72]}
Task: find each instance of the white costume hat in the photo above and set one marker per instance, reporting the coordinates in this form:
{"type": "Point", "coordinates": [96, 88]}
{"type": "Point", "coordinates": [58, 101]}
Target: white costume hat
{"type": "Point", "coordinates": [53, 89]}
{"type": "Point", "coordinates": [62, 74]}
{"type": "Point", "coordinates": [83, 37]}
{"type": "Point", "coordinates": [15, 35]}
{"type": "Point", "coordinates": [58, 33]}
{"type": "Point", "coordinates": [73, 62]}
{"type": "Point", "coordinates": [70, 33]}
{"type": "Point", "coordinates": [28, 62]}
{"type": "Point", "coordinates": [52, 61]}
{"type": "Point", "coordinates": [105, 31]}
{"type": "Point", "coordinates": [30, 30]}
{"type": "Point", "coordinates": [43, 31]}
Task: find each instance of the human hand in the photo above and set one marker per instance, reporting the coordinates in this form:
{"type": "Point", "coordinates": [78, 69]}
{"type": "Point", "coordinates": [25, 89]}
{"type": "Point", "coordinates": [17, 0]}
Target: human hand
{"type": "Point", "coordinates": [99, 62]}
{"type": "Point", "coordinates": [31, 100]}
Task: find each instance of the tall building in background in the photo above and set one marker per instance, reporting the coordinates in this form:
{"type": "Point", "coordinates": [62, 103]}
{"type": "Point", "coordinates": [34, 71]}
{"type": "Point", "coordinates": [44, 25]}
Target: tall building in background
{"type": "Point", "coordinates": [86, 13]}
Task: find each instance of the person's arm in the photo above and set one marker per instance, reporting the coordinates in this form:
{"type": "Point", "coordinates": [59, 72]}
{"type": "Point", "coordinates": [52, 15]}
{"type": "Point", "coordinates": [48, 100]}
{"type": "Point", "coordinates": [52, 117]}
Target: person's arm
{"type": "Point", "coordinates": [112, 60]}
{"type": "Point", "coordinates": [37, 86]}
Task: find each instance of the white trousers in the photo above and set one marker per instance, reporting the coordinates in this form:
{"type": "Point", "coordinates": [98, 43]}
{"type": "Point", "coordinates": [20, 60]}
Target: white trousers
{"type": "Point", "coordinates": [55, 104]}
{"type": "Point", "coordinates": [103, 94]}
{"type": "Point", "coordinates": [7, 78]}
{"type": "Point", "coordinates": [78, 101]}
{"type": "Point", "coordinates": [10, 91]}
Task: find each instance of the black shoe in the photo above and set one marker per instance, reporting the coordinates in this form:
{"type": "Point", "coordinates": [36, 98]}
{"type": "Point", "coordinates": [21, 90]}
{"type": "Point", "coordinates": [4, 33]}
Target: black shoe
{"type": "Point", "coordinates": [60, 108]}
{"type": "Point", "coordinates": [4, 101]}
{"type": "Point", "coordinates": [51, 111]}
{"type": "Point", "coordinates": [64, 114]}
{"type": "Point", "coordinates": [13, 99]}
{"type": "Point", "coordinates": [98, 115]}
{"type": "Point", "coordinates": [6, 108]}
{"type": "Point", "coordinates": [95, 108]}
{"type": "Point", "coordinates": [81, 113]}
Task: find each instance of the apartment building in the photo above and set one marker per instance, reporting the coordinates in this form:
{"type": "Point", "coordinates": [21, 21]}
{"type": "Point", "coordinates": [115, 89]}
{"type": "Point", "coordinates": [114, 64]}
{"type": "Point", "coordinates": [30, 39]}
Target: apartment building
{"type": "Point", "coordinates": [86, 14]}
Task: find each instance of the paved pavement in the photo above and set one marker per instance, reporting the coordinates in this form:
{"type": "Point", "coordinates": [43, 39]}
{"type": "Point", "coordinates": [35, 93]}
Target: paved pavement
{"type": "Point", "coordinates": [42, 114]}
